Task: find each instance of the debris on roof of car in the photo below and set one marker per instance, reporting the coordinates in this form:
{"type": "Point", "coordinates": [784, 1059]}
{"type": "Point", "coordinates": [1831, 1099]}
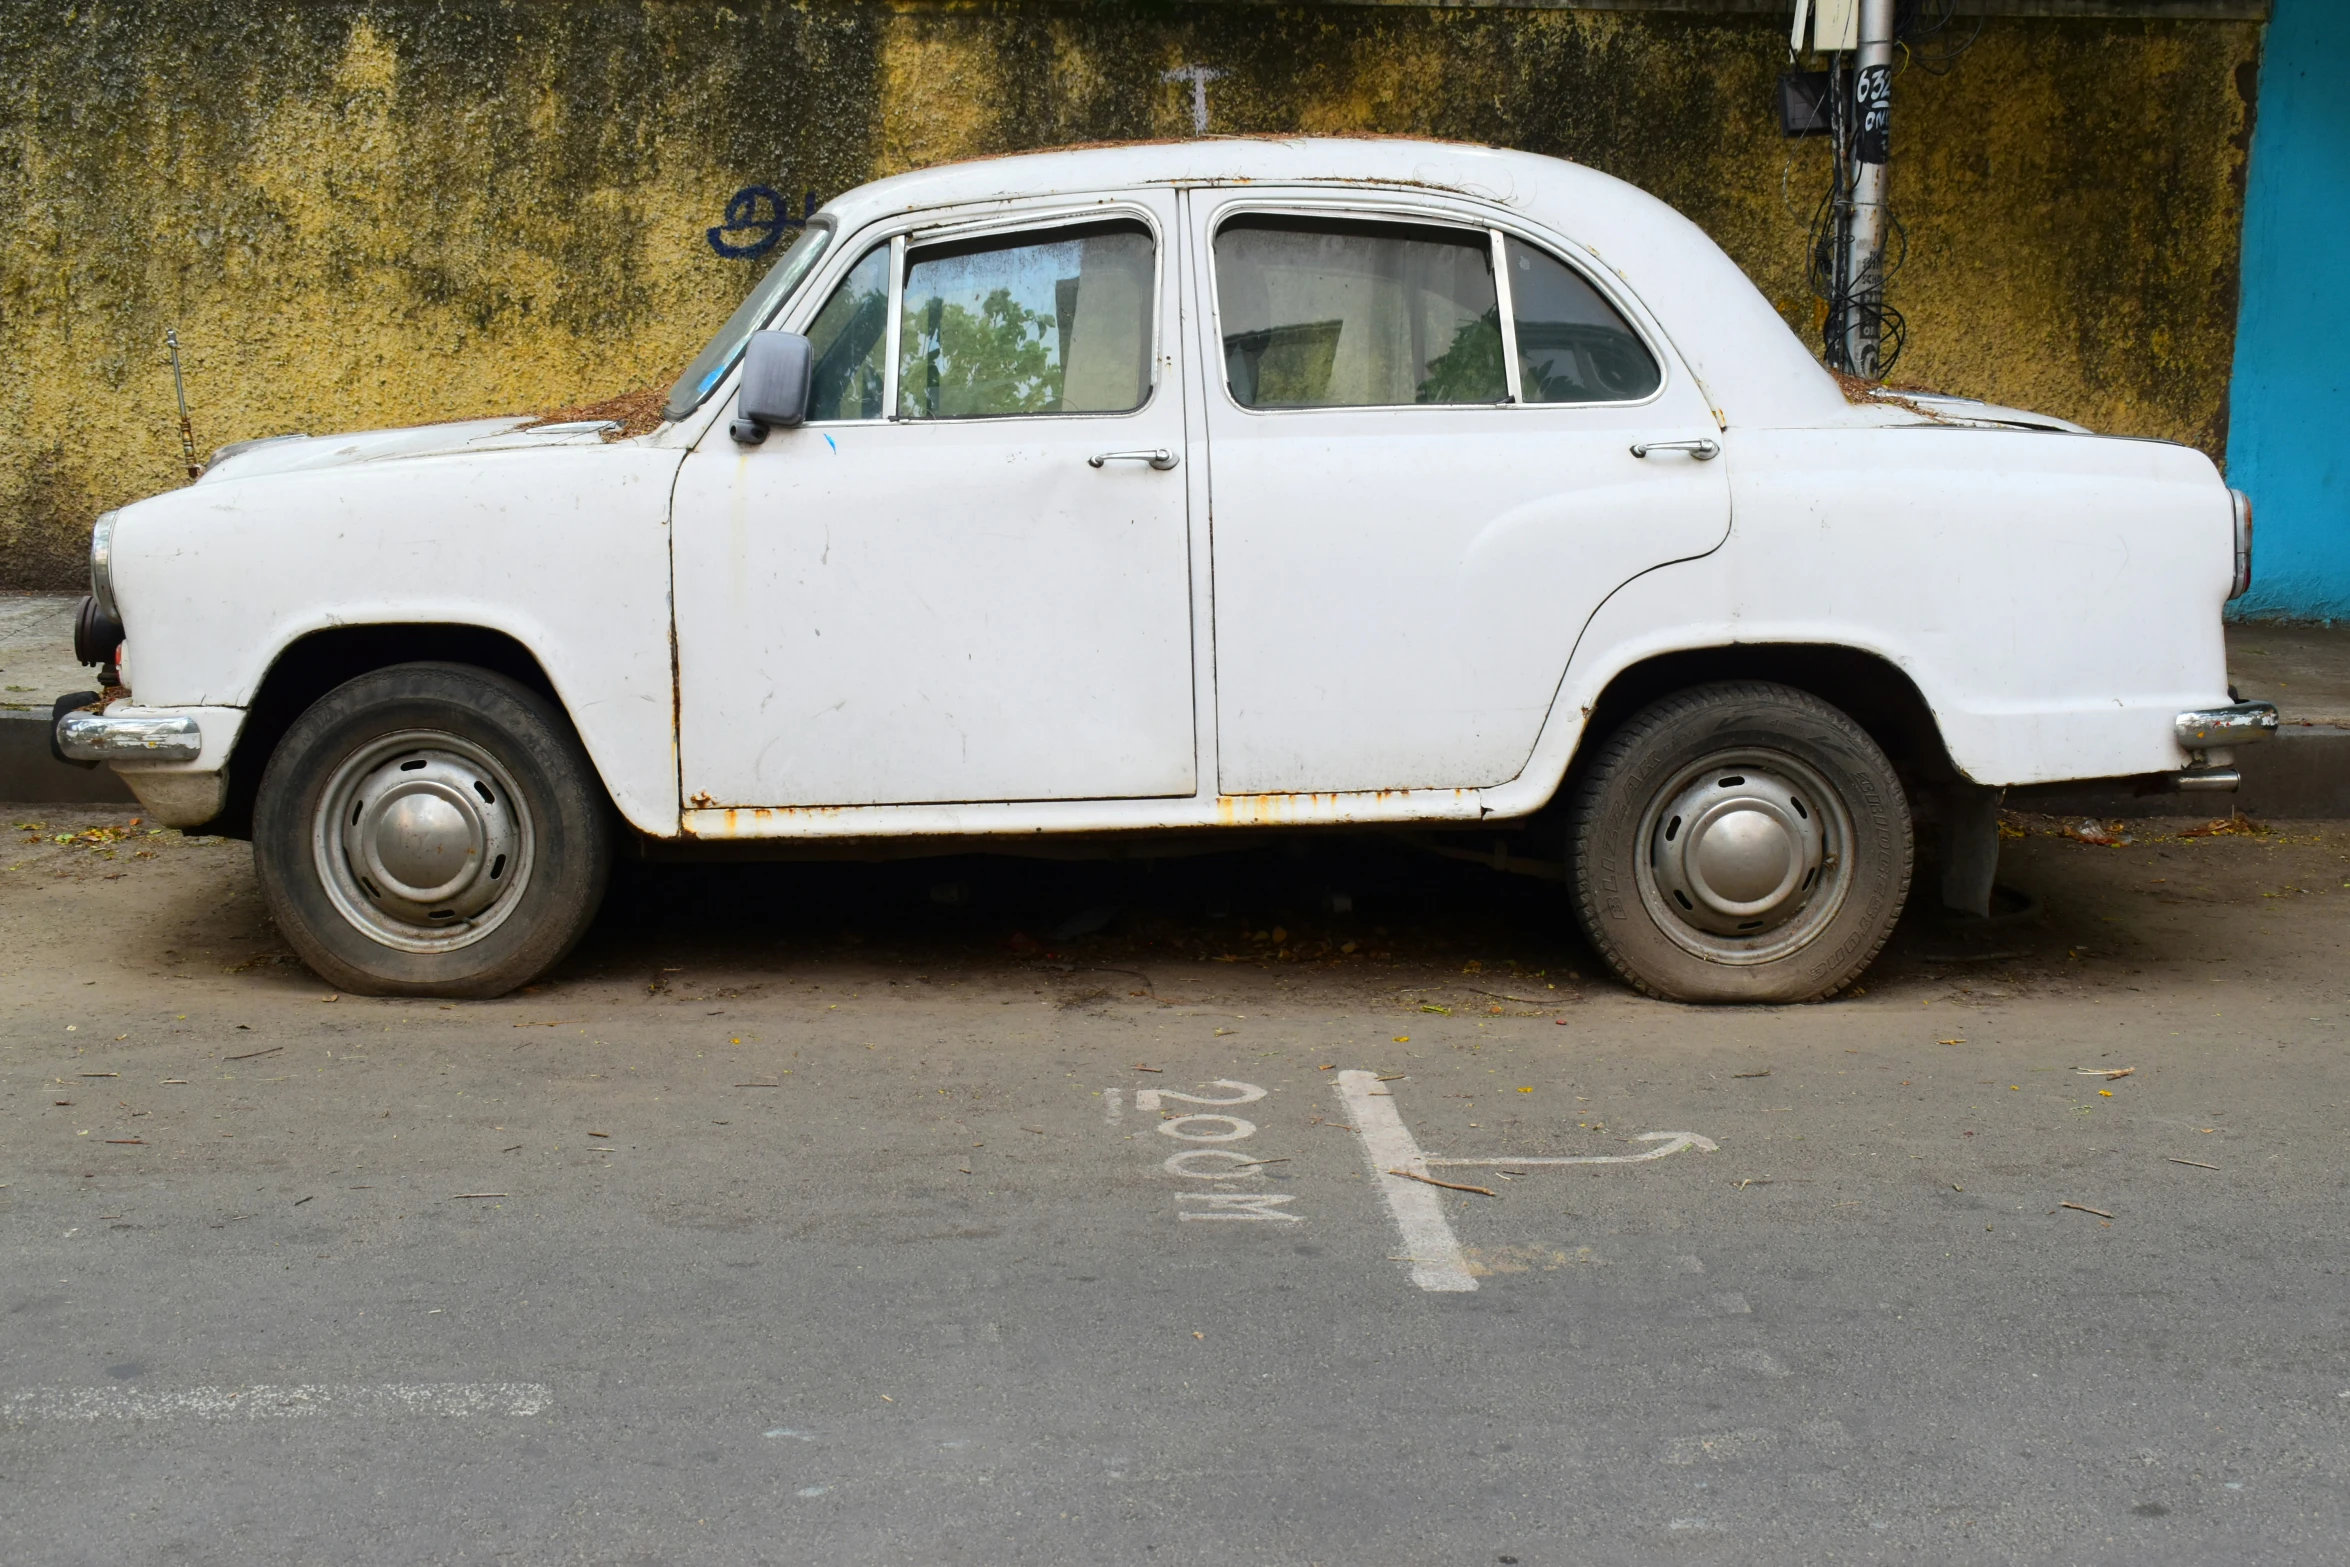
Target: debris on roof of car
{"type": "Point", "coordinates": [1946, 407]}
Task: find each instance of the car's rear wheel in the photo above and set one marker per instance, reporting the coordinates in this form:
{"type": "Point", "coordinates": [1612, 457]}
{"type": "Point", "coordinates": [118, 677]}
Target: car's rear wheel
{"type": "Point", "coordinates": [431, 829]}
{"type": "Point", "coordinates": [1739, 842]}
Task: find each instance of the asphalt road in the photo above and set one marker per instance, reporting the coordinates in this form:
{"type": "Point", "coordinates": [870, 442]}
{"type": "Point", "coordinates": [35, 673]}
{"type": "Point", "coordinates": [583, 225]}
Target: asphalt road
{"type": "Point", "coordinates": [819, 1215]}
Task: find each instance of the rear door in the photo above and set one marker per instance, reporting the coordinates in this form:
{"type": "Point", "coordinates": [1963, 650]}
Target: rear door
{"type": "Point", "coordinates": [1421, 426]}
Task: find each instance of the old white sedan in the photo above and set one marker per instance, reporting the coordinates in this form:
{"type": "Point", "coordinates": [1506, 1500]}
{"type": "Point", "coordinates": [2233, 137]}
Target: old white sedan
{"type": "Point", "coordinates": [1204, 487]}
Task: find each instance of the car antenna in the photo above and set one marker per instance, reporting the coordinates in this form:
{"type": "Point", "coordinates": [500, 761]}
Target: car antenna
{"type": "Point", "coordinates": [179, 384]}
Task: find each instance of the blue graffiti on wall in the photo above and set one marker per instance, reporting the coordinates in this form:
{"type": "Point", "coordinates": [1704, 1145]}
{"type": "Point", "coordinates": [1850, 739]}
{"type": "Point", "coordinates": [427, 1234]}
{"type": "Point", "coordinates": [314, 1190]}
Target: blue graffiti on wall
{"type": "Point", "coordinates": [761, 212]}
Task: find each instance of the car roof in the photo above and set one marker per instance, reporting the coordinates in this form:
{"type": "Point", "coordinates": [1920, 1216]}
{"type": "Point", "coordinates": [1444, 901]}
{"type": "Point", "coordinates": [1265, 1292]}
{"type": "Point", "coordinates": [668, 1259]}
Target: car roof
{"type": "Point", "coordinates": [1753, 368]}
{"type": "Point", "coordinates": [1461, 167]}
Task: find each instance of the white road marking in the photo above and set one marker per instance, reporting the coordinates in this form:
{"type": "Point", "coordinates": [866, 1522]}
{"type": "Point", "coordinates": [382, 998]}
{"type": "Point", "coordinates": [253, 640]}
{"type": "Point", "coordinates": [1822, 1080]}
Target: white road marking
{"type": "Point", "coordinates": [1224, 1166]}
{"type": "Point", "coordinates": [1673, 1142]}
{"type": "Point", "coordinates": [1180, 1164]}
{"type": "Point", "coordinates": [1437, 1263]}
{"type": "Point", "coordinates": [277, 1402]}
{"type": "Point", "coordinates": [1239, 1129]}
{"type": "Point", "coordinates": [1148, 1099]}
{"type": "Point", "coordinates": [1239, 1205]}
{"type": "Point", "coordinates": [1112, 1108]}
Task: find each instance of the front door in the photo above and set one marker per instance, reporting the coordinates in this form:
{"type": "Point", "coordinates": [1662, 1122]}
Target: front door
{"type": "Point", "coordinates": [1420, 433]}
{"type": "Point", "coordinates": [964, 579]}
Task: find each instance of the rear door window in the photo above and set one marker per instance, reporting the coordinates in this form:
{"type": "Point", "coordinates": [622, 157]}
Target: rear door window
{"type": "Point", "coordinates": [1353, 313]}
{"type": "Point", "coordinates": [1573, 347]}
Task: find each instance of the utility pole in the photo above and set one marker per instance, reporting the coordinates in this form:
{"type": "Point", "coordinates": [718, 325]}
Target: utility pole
{"type": "Point", "coordinates": [1872, 135]}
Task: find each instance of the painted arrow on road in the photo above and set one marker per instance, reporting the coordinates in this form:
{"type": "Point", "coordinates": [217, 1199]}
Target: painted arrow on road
{"type": "Point", "coordinates": [1673, 1143]}
{"type": "Point", "coordinates": [1400, 1168]}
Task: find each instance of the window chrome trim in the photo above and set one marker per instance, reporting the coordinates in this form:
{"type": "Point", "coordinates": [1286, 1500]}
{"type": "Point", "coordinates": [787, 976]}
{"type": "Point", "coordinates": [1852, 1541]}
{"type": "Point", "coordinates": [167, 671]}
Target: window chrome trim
{"type": "Point", "coordinates": [957, 230]}
{"type": "Point", "coordinates": [893, 327]}
{"type": "Point", "coordinates": [1505, 304]}
{"type": "Point", "coordinates": [1376, 205]}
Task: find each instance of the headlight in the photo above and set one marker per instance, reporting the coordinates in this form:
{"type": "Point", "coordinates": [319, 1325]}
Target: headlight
{"type": "Point", "coordinates": [2243, 580]}
{"type": "Point", "coordinates": [102, 564]}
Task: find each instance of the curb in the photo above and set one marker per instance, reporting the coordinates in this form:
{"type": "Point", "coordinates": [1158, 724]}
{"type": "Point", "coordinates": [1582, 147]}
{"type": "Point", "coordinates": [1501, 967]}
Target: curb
{"type": "Point", "coordinates": [2304, 772]}
{"type": "Point", "coordinates": [29, 775]}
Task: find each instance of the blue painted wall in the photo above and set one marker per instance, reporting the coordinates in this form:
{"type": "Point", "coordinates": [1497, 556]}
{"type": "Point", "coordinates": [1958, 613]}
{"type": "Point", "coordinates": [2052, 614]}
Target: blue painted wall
{"type": "Point", "coordinates": [2289, 405]}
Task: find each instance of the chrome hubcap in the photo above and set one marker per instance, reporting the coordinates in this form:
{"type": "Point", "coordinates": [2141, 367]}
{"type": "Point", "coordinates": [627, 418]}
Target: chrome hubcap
{"type": "Point", "coordinates": [1744, 857]}
{"type": "Point", "coordinates": [423, 841]}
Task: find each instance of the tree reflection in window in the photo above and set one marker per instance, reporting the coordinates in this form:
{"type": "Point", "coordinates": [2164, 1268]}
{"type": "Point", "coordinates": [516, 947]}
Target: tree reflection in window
{"type": "Point", "coordinates": [1470, 370]}
{"type": "Point", "coordinates": [1058, 323]}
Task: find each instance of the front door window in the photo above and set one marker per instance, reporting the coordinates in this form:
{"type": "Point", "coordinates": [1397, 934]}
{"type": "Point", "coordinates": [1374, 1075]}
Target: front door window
{"type": "Point", "coordinates": [848, 339]}
{"type": "Point", "coordinates": [1054, 325]}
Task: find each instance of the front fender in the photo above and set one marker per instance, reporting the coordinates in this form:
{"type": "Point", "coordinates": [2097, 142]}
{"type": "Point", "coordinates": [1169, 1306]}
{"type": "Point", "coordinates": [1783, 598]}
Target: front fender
{"type": "Point", "coordinates": [565, 549]}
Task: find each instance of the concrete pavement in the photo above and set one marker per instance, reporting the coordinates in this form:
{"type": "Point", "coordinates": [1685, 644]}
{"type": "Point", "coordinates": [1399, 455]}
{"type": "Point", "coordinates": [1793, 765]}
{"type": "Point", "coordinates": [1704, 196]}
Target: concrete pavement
{"type": "Point", "coordinates": [819, 1214]}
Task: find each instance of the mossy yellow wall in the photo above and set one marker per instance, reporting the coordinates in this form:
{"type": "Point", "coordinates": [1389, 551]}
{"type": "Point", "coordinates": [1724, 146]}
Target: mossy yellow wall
{"type": "Point", "coordinates": [362, 214]}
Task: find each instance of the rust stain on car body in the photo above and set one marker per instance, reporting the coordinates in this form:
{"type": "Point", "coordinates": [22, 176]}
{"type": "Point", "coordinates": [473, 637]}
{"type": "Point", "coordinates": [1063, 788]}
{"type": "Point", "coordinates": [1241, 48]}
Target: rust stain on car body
{"type": "Point", "coordinates": [706, 820]}
{"type": "Point", "coordinates": [1255, 810]}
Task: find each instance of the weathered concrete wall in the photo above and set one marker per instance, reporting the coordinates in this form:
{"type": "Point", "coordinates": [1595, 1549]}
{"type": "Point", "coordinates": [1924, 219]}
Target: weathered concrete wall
{"type": "Point", "coordinates": [374, 212]}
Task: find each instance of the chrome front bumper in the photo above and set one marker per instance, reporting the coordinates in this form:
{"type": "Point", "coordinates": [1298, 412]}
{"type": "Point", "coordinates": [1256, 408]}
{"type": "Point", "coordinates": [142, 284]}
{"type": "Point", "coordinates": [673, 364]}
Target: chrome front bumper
{"type": "Point", "coordinates": [129, 737]}
{"type": "Point", "coordinates": [2209, 736]}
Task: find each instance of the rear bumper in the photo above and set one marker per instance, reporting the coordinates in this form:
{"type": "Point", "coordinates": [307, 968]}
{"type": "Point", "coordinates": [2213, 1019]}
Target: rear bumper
{"type": "Point", "coordinates": [2239, 723]}
{"type": "Point", "coordinates": [2304, 773]}
{"type": "Point", "coordinates": [2210, 735]}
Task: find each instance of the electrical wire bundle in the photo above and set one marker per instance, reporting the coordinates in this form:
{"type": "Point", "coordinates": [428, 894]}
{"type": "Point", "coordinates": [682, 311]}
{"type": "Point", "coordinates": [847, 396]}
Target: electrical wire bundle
{"type": "Point", "coordinates": [1916, 22]}
{"type": "Point", "coordinates": [1851, 301]}
{"type": "Point", "coordinates": [1827, 250]}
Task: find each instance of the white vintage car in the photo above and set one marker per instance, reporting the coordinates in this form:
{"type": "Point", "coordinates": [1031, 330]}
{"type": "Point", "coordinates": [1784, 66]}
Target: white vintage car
{"type": "Point", "coordinates": [1213, 487]}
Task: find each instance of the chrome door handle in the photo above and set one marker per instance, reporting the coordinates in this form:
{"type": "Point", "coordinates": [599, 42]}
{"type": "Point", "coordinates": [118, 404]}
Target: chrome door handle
{"type": "Point", "coordinates": [1703, 451]}
{"type": "Point", "coordinates": [1158, 457]}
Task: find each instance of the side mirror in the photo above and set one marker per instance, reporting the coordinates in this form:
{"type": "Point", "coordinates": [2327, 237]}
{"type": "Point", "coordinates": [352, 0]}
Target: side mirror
{"type": "Point", "coordinates": [774, 394]}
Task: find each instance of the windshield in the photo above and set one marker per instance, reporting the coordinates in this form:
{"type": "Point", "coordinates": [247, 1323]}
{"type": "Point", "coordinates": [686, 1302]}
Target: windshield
{"type": "Point", "coordinates": [711, 364]}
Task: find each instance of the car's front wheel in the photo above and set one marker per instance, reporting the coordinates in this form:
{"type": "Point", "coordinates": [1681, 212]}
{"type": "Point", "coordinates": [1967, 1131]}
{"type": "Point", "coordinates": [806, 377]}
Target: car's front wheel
{"type": "Point", "coordinates": [1739, 842]}
{"type": "Point", "coordinates": [431, 829]}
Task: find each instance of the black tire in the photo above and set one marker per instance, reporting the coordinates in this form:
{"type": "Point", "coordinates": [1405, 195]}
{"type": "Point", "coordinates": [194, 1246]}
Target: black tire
{"type": "Point", "coordinates": [440, 768]}
{"type": "Point", "coordinates": [1739, 842]}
